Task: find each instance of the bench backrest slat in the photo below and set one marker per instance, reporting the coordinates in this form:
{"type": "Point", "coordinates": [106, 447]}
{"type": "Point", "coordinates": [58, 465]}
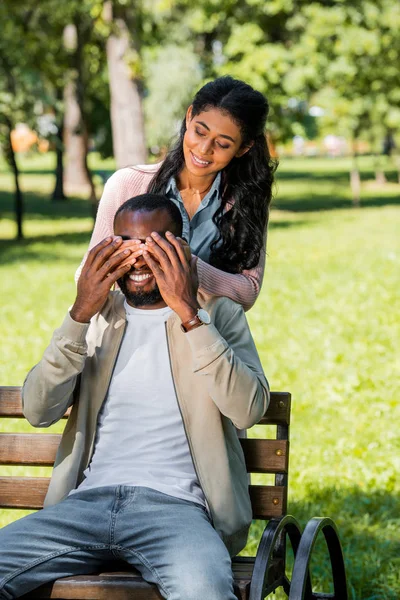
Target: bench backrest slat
{"type": "Point", "coordinates": [39, 449]}
{"type": "Point", "coordinates": [269, 456]}
{"type": "Point", "coordinates": [29, 492]}
{"type": "Point", "coordinates": [278, 412]}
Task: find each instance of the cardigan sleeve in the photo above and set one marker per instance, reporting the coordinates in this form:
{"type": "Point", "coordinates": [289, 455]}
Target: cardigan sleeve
{"type": "Point", "coordinates": [243, 287]}
{"type": "Point", "coordinates": [121, 186]}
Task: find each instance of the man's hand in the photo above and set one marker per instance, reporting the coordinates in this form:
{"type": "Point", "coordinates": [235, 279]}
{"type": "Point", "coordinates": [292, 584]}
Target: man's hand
{"type": "Point", "coordinates": [174, 275]}
{"type": "Point", "coordinates": [103, 266]}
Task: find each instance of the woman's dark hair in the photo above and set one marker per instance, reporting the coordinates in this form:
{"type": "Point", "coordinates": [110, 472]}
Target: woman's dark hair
{"type": "Point", "coordinates": [246, 181]}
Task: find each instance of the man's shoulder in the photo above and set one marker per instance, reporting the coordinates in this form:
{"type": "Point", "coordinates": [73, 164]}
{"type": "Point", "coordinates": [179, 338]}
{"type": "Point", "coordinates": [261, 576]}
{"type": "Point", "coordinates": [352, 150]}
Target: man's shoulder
{"type": "Point", "coordinates": [223, 309]}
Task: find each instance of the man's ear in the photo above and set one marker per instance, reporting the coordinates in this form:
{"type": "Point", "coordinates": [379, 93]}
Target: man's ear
{"type": "Point", "coordinates": [189, 115]}
{"type": "Point", "coordinates": [244, 149]}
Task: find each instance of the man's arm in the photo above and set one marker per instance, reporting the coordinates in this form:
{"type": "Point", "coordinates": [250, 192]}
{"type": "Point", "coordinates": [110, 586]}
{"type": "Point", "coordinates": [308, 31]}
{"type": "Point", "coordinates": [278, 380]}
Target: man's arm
{"type": "Point", "coordinates": [49, 387]}
{"type": "Point", "coordinates": [227, 362]}
{"type": "Point", "coordinates": [226, 358]}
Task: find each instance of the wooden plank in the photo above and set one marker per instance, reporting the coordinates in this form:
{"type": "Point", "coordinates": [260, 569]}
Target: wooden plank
{"type": "Point", "coordinates": [39, 449]}
{"type": "Point", "coordinates": [34, 449]}
{"type": "Point", "coordinates": [268, 501]}
{"type": "Point", "coordinates": [11, 403]}
{"type": "Point", "coordinates": [23, 492]}
{"type": "Point", "coordinates": [124, 583]}
{"type": "Point", "coordinates": [278, 411]}
{"type": "Point", "coordinates": [266, 456]}
{"type": "Point", "coordinates": [29, 493]}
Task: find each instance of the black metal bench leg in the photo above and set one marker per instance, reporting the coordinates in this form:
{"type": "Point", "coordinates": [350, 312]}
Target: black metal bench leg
{"type": "Point", "coordinates": [260, 585]}
{"type": "Point", "coordinates": [298, 587]}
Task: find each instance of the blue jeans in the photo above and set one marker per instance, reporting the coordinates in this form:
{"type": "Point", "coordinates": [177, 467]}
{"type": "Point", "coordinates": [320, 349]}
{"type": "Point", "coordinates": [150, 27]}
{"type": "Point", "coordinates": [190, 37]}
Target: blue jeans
{"type": "Point", "coordinates": [170, 541]}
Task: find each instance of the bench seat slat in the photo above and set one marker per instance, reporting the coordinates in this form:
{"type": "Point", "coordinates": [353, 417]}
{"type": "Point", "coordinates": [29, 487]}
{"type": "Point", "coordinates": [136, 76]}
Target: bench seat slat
{"type": "Point", "coordinates": [278, 412]}
{"type": "Point", "coordinates": [29, 492]}
{"type": "Point", "coordinates": [125, 583]}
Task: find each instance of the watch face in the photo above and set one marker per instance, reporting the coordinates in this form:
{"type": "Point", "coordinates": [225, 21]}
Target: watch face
{"type": "Point", "coordinates": [204, 316]}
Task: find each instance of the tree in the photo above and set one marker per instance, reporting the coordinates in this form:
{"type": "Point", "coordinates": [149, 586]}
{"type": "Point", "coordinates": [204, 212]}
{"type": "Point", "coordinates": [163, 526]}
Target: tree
{"type": "Point", "coordinates": [125, 76]}
{"type": "Point", "coordinates": [20, 90]}
{"type": "Point", "coordinates": [355, 48]}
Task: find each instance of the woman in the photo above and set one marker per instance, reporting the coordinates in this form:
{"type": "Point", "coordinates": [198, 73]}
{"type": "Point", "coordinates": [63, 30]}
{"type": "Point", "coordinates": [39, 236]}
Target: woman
{"type": "Point", "coordinates": [220, 175]}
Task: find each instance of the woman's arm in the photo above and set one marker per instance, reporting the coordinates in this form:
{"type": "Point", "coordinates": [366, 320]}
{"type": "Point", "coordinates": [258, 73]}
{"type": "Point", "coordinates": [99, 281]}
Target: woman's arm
{"type": "Point", "coordinates": [243, 287]}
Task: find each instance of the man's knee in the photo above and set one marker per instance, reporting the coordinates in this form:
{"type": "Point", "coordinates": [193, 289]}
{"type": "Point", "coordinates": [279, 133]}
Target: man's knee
{"type": "Point", "coordinates": [211, 581]}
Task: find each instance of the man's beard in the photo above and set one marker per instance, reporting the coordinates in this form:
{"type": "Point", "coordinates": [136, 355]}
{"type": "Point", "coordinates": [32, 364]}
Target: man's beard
{"type": "Point", "coordinates": [139, 298]}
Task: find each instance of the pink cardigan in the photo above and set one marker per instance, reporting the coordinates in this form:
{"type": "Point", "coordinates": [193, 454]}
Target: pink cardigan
{"type": "Point", "coordinates": [133, 181]}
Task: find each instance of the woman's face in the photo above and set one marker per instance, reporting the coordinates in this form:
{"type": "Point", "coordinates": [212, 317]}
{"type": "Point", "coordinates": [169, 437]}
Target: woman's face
{"type": "Point", "coordinates": [211, 140]}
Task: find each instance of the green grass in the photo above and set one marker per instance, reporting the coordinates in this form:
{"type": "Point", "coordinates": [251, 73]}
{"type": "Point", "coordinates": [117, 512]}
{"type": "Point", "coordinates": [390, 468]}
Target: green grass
{"type": "Point", "coordinates": [326, 326]}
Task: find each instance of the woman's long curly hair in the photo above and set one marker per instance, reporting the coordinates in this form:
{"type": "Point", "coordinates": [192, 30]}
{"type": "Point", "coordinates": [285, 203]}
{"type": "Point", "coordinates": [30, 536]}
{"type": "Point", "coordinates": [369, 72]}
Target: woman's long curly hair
{"type": "Point", "coordinates": [246, 185]}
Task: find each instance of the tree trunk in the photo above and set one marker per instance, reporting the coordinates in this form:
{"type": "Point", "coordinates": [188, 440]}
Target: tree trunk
{"type": "Point", "coordinates": [355, 180]}
{"type": "Point", "coordinates": [126, 98]}
{"type": "Point", "coordinates": [18, 198]}
{"type": "Point", "coordinates": [75, 174]}
{"type": "Point", "coordinates": [75, 143]}
{"type": "Point", "coordinates": [380, 177]}
{"type": "Point", "coordinates": [58, 193]}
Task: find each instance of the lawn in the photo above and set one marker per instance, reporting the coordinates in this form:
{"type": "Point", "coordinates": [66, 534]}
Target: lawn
{"type": "Point", "coordinates": [326, 326]}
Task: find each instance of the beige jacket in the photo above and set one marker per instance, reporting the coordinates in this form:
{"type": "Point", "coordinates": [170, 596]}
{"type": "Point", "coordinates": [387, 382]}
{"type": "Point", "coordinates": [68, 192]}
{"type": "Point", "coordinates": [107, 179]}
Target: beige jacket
{"type": "Point", "coordinates": [219, 385]}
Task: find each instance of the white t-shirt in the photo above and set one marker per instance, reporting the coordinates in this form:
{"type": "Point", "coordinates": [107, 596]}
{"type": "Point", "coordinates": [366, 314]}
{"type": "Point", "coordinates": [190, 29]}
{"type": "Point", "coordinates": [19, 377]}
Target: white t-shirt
{"type": "Point", "coordinates": [140, 438]}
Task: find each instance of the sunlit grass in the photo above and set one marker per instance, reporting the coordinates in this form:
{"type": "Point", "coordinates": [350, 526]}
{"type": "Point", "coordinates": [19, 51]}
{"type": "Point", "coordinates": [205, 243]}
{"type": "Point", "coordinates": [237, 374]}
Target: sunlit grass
{"type": "Point", "coordinates": [326, 326]}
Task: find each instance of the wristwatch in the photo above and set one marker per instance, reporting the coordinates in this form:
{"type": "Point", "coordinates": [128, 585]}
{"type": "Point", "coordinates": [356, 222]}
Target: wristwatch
{"type": "Point", "coordinates": [201, 318]}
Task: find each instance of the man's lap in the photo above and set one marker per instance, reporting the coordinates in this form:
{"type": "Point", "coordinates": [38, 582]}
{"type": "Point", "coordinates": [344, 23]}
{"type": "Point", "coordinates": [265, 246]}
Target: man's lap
{"type": "Point", "coordinates": [171, 541]}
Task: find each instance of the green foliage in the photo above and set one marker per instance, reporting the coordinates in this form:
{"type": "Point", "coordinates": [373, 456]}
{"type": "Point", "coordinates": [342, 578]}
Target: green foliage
{"type": "Point", "coordinates": [324, 325]}
{"type": "Point", "coordinates": [166, 102]}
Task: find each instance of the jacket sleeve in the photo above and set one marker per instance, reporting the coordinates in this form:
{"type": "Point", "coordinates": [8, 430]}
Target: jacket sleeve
{"type": "Point", "coordinates": [227, 359]}
{"type": "Point", "coordinates": [242, 288]}
{"type": "Point", "coordinates": [49, 387]}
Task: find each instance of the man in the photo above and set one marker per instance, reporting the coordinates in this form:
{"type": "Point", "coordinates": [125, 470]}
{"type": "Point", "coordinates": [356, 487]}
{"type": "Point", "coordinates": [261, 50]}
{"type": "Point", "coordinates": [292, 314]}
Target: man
{"type": "Point", "coordinates": [149, 469]}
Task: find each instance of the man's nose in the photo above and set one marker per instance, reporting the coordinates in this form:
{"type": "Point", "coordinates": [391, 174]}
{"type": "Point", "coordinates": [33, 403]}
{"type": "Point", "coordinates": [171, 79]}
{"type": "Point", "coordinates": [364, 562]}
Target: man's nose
{"type": "Point", "coordinates": [140, 262]}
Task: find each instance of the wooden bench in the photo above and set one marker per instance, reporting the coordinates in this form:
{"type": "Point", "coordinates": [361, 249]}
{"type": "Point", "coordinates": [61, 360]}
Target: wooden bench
{"type": "Point", "coordinates": [255, 577]}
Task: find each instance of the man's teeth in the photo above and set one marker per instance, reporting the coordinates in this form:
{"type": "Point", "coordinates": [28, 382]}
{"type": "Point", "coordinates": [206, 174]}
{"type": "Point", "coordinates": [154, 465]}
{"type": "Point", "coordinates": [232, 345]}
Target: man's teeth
{"type": "Point", "coordinates": [139, 277]}
{"type": "Point", "coordinates": [201, 162]}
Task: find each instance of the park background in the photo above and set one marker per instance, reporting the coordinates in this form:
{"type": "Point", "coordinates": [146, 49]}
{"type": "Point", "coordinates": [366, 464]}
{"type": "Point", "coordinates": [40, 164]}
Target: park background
{"type": "Point", "coordinates": [89, 86]}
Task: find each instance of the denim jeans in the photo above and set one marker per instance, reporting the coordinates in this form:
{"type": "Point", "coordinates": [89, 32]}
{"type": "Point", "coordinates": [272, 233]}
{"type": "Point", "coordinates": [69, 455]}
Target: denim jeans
{"type": "Point", "coordinates": [169, 540]}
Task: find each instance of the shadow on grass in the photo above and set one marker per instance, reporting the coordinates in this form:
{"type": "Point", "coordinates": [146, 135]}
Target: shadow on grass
{"type": "Point", "coordinates": [290, 224]}
{"type": "Point", "coordinates": [324, 201]}
{"type": "Point", "coordinates": [38, 206]}
{"type": "Point", "coordinates": [41, 248]}
{"type": "Point", "coordinates": [339, 176]}
{"type": "Point", "coordinates": [368, 525]}
{"type": "Point", "coordinates": [102, 173]}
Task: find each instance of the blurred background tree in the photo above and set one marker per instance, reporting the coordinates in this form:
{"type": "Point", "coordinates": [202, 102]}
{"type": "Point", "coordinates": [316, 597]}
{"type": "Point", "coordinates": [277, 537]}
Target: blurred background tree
{"type": "Point", "coordinates": [118, 75]}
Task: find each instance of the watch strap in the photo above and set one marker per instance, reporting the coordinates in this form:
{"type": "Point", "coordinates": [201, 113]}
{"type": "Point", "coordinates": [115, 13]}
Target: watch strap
{"type": "Point", "coordinates": [191, 324]}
